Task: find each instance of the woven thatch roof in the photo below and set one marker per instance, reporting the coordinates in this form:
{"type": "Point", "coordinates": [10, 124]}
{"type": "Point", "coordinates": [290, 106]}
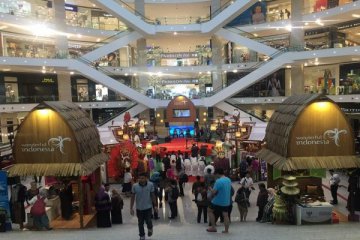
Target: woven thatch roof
{"type": "Point", "coordinates": [87, 140]}
{"type": "Point", "coordinates": [278, 136]}
{"type": "Point", "coordinates": [282, 121]}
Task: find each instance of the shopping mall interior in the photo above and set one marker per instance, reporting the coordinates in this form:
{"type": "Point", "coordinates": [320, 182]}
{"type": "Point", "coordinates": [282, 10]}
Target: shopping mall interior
{"type": "Point", "coordinates": [241, 77]}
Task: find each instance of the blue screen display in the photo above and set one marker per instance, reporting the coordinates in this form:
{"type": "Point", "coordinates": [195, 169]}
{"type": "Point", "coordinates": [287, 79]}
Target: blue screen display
{"type": "Point", "coordinates": [181, 130]}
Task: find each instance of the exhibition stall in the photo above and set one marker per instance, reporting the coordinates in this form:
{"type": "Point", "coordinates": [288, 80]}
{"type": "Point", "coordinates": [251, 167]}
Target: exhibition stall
{"type": "Point", "coordinates": [306, 135]}
{"type": "Point", "coordinates": [59, 140]}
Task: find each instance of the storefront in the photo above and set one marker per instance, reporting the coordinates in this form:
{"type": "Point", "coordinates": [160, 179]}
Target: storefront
{"type": "Point", "coordinates": [27, 87]}
{"type": "Point", "coordinates": [303, 141]}
{"type": "Point", "coordinates": [58, 140]}
{"type": "Point", "coordinates": [28, 46]}
{"type": "Point", "coordinates": [85, 90]}
{"type": "Point", "coordinates": [271, 86]}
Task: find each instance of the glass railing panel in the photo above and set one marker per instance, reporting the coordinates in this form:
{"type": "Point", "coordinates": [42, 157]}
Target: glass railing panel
{"type": "Point", "coordinates": [93, 18]}
{"type": "Point", "coordinates": [27, 99]}
{"type": "Point", "coordinates": [319, 6]}
{"type": "Point", "coordinates": [27, 9]}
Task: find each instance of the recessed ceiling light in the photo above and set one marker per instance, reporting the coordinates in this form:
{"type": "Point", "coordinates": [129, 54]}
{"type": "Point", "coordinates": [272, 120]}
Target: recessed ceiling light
{"type": "Point", "coordinates": [355, 15]}
{"type": "Point", "coordinates": [6, 69]}
{"type": "Point", "coordinates": [71, 73]}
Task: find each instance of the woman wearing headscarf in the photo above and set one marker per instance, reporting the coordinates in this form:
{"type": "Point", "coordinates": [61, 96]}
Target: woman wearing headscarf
{"type": "Point", "coordinates": [267, 216]}
{"type": "Point", "coordinates": [117, 205]}
{"type": "Point", "coordinates": [103, 207]}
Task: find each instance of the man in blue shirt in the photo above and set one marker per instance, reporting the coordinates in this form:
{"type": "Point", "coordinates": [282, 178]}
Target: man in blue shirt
{"type": "Point", "coordinates": [144, 194]}
{"type": "Point", "coordinates": [221, 201]}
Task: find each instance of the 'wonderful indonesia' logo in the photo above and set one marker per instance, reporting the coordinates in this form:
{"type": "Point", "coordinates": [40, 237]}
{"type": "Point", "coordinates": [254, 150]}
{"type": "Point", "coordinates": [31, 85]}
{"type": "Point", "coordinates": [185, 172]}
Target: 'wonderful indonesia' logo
{"type": "Point", "coordinates": [50, 146]}
{"type": "Point", "coordinates": [326, 138]}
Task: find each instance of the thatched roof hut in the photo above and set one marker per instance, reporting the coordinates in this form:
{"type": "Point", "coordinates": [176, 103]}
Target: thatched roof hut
{"type": "Point", "coordinates": [57, 139]}
{"type": "Point", "coordinates": [309, 131]}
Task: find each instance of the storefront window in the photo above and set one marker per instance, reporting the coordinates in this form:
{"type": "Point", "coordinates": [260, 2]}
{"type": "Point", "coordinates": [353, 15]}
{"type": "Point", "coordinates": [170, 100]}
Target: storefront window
{"type": "Point", "coordinates": [321, 79]}
{"type": "Point", "coordinates": [101, 93]}
{"type": "Point", "coordinates": [349, 79]}
{"type": "Point", "coordinates": [11, 90]}
{"type": "Point", "coordinates": [82, 90]}
{"type": "Point", "coordinates": [20, 46]}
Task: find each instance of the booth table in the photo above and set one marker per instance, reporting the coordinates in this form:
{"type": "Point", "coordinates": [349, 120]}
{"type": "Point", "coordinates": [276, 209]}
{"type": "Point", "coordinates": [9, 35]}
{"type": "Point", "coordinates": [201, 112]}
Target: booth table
{"type": "Point", "coordinates": [311, 214]}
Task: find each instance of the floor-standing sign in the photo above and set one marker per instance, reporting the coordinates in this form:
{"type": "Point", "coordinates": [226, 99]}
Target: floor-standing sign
{"type": "Point", "coordinates": [4, 198]}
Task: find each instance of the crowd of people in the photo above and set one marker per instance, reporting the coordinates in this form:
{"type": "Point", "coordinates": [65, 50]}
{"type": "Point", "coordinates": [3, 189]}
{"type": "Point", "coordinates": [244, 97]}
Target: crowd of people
{"type": "Point", "coordinates": [212, 190]}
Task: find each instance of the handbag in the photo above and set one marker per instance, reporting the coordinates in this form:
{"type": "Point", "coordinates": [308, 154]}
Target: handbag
{"type": "Point", "coordinates": [38, 209]}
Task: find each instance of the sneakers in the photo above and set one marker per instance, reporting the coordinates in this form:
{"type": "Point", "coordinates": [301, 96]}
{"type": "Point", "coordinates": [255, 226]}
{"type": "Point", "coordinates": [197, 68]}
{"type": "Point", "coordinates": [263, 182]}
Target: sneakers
{"type": "Point", "coordinates": [142, 238]}
{"type": "Point", "coordinates": [150, 232]}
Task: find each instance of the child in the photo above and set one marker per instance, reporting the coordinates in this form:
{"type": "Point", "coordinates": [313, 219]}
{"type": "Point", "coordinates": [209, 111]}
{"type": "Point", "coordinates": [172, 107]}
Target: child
{"type": "Point", "coordinates": [127, 182]}
{"type": "Point", "coordinates": [201, 201]}
{"type": "Point", "coordinates": [173, 194]}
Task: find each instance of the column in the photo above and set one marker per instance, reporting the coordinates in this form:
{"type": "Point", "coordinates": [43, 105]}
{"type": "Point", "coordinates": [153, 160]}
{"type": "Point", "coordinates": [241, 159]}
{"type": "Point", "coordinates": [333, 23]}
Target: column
{"type": "Point", "coordinates": [297, 32]}
{"type": "Point", "coordinates": [61, 41]}
{"type": "Point", "coordinates": [142, 82]}
{"type": "Point", "coordinates": [60, 25]}
{"type": "Point", "coordinates": [64, 86]}
{"type": "Point", "coordinates": [297, 43]}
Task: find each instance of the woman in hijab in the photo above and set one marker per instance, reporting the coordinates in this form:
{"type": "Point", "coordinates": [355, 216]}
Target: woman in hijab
{"type": "Point", "coordinates": [117, 205]}
{"type": "Point", "coordinates": [103, 207]}
{"type": "Point", "coordinates": [267, 216]}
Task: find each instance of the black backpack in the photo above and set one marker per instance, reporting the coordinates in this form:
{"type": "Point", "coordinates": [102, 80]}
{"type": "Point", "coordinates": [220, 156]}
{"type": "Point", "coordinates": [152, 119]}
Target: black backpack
{"type": "Point", "coordinates": [175, 193]}
{"type": "Point", "coordinates": [178, 164]}
{"type": "Point", "coordinates": [184, 178]}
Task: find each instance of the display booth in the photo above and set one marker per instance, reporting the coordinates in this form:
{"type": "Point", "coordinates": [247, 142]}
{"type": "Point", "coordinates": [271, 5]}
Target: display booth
{"type": "Point", "coordinates": [306, 135]}
{"type": "Point", "coordinates": [59, 140]}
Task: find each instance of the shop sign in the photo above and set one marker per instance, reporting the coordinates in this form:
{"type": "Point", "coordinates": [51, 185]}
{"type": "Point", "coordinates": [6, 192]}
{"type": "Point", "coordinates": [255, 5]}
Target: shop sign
{"type": "Point", "coordinates": [329, 136]}
{"type": "Point", "coordinates": [321, 129]}
{"type": "Point", "coordinates": [48, 80]}
{"type": "Point", "coordinates": [100, 14]}
{"type": "Point", "coordinates": [52, 145]}
{"type": "Point", "coordinates": [179, 81]}
{"type": "Point", "coordinates": [179, 55]}
{"type": "Point", "coordinates": [71, 8]}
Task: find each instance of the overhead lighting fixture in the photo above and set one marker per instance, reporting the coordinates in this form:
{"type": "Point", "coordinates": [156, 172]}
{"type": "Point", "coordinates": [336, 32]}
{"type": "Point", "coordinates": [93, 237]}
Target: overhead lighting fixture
{"type": "Point", "coordinates": [318, 22]}
{"type": "Point", "coordinates": [71, 73]}
{"type": "Point", "coordinates": [355, 15]}
{"type": "Point", "coordinates": [288, 27]}
{"type": "Point", "coordinates": [175, 33]}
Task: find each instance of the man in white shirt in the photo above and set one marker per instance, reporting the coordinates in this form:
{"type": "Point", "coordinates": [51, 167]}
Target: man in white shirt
{"type": "Point", "coordinates": [334, 185]}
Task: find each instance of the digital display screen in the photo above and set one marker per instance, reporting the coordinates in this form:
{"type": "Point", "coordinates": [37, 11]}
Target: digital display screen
{"type": "Point", "coordinates": [182, 131]}
{"type": "Point", "coordinates": [179, 113]}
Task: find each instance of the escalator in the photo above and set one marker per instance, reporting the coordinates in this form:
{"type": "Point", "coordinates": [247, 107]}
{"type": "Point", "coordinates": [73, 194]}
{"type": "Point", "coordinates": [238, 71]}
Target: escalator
{"type": "Point", "coordinates": [117, 119]}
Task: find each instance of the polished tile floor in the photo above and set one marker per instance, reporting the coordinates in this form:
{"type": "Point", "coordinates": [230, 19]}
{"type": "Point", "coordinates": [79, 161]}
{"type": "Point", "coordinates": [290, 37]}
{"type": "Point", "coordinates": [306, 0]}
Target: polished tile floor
{"type": "Point", "coordinates": [185, 227]}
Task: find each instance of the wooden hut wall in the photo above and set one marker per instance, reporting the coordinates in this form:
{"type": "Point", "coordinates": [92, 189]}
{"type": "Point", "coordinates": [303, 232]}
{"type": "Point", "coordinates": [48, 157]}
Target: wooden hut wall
{"type": "Point", "coordinates": [321, 130]}
{"type": "Point", "coordinates": [44, 137]}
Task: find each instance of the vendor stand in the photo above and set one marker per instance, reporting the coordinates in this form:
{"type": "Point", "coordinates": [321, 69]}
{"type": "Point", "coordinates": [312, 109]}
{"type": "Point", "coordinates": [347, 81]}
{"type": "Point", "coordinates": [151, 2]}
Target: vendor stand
{"type": "Point", "coordinates": [58, 139]}
{"type": "Point", "coordinates": [306, 135]}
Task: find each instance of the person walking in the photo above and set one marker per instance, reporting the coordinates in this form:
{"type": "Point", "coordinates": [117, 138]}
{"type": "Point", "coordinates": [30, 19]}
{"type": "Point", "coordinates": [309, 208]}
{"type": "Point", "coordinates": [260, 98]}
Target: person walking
{"type": "Point", "coordinates": [103, 208]}
{"type": "Point", "coordinates": [144, 194]}
{"type": "Point", "coordinates": [173, 194]}
{"type": "Point", "coordinates": [201, 201]}
{"type": "Point", "coordinates": [247, 182]}
{"type": "Point", "coordinates": [242, 202]}
{"type": "Point", "coordinates": [262, 200]}
{"type": "Point", "coordinates": [117, 204]}
{"type": "Point", "coordinates": [334, 185]}
{"type": "Point", "coordinates": [220, 202]}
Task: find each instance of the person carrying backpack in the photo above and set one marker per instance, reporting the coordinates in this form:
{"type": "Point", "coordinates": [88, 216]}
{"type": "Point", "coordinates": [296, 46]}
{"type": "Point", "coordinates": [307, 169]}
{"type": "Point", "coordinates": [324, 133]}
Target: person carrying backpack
{"type": "Point", "coordinates": [173, 194]}
{"type": "Point", "coordinates": [242, 202]}
{"type": "Point", "coordinates": [38, 211]}
{"type": "Point", "coordinates": [201, 201]}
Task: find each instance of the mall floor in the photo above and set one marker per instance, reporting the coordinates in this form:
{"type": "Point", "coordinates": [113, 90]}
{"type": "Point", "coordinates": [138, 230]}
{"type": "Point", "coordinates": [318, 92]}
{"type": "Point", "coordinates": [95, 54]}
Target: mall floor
{"type": "Point", "coordinates": [185, 227]}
